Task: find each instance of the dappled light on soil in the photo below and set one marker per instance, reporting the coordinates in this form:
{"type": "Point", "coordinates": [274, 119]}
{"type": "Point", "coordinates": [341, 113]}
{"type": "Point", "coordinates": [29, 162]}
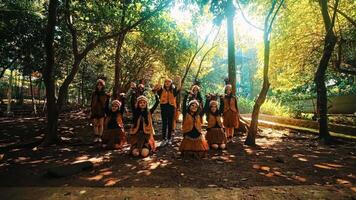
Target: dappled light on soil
{"type": "Point", "coordinates": [280, 158]}
{"type": "Point", "coordinates": [328, 166]}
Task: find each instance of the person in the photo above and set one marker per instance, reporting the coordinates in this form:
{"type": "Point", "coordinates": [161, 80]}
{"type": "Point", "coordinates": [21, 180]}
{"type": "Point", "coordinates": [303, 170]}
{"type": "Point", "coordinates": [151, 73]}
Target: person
{"type": "Point", "coordinates": [134, 92]}
{"type": "Point", "coordinates": [215, 135]}
{"type": "Point", "coordinates": [228, 104]}
{"type": "Point", "coordinates": [99, 108]}
{"type": "Point", "coordinates": [142, 131]}
{"type": "Point", "coordinates": [194, 94]}
{"type": "Point", "coordinates": [114, 134]}
{"type": "Point", "coordinates": [168, 104]}
{"type": "Point", "coordinates": [193, 142]}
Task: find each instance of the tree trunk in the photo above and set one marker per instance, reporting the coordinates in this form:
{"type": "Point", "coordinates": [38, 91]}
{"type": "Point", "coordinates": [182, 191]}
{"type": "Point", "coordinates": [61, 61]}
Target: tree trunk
{"type": "Point", "coordinates": [201, 63]}
{"type": "Point", "coordinates": [63, 90]}
{"type": "Point", "coordinates": [9, 93]}
{"type": "Point", "coordinates": [33, 97]}
{"type": "Point", "coordinates": [252, 132]}
{"type": "Point", "coordinates": [21, 93]}
{"type": "Point", "coordinates": [82, 86]}
{"type": "Point", "coordinates": [329, 44]}
{"type": "Point", "coordinates": [117, 81]}
{"type": "Point", "coordinates": [52, 111]}
{"type": "Point", "coordinates": [78, 95]}
{"type": "Point", "coordinates": [15, 86]}
{"type": "Point", "coordinates": [231, 45]}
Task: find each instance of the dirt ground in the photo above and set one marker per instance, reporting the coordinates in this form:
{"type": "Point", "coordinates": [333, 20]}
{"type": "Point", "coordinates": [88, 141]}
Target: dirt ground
{"type": "Point", "coordinates": [281, 158]}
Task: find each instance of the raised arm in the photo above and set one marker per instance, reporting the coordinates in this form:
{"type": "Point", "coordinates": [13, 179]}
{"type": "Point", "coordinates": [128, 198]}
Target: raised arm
{"type": "Point", "coordinates": [155, 105]}
{"type": "Point", "coordinates": [133, 100]}
{"type": "Point", "coordinates": [159, 90]}
{"type": "Point", "coordinates": [206, 106]}
{"type": "Point", "coordinates": [201, 113]}
{"type": "Point", "coordinates": [175, 91]}
{"type": "Point", "coordinates": [122, 108]}
{"type": "Point", "coordinates": [184, 106]}
{"type": "Point", "coordinates": [237, 108]}
{"type": "Point", "coordinates": [221, 109]}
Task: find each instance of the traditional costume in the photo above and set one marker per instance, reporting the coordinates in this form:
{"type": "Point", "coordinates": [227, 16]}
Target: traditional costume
{"type": "Point", "coordinates": [142, 131]}
{"type": "Point", "coordinates": [99, 108]}
{"type": "Point", "coordinates": [193, 139]}
{"type": "Point", "coordinates": [215, 135]}
{"type": "Point", "coordinates": [230, 112]}
{"type": "Point", "coordinates": [114, 133]}
{"type": "Point", "coordinates": [168, 106]}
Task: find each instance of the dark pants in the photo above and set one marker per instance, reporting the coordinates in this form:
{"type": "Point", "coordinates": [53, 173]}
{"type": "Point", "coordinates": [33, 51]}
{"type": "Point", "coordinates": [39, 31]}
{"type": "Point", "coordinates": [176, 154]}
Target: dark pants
{"type": "Point", "coordinates": [167, 114]}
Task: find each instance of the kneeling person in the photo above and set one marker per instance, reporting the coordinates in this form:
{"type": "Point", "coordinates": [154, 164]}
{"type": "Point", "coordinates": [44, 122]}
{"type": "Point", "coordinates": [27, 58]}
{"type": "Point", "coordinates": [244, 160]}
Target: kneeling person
{"type": "Point", "coordinates": [141, 136]}
{"type": "Point", "coordinates": [215, 133]}
{"type": "Point", "coordinates": [193, 139]}
{"type": "Point", "coordinates": [114, 134]}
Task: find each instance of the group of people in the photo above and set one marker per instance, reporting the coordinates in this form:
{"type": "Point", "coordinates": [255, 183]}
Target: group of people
{"type": "Point", "coordinates": [222, 116]}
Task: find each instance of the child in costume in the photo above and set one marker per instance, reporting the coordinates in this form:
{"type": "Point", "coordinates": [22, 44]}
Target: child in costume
{"type": "Point", "coordinates": [134, 92]}
{"type": "Point", "coordinates": [99, 108]}
{"type": "Point", "coordinates": [215, 135]}
{"type": "Point", "coordinates": [230, 111]}
{"type": "Point", "coordinates": [193, 139]}
{"type": "Point", "coordinates": [114, 134]}
{"type": "Point", "coordinates": [194, 94]}
{"type": "Point", "coordinates": [142, 131]}
{"type": "Point", "coordinates": [168, 104]}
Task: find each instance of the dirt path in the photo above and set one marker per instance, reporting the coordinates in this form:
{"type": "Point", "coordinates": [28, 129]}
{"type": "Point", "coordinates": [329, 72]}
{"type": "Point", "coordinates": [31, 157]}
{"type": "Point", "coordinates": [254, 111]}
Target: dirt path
{"type": "Point", "coordinates": [282, 158]}
{"type": "Point", "coordinates": [262, 193]}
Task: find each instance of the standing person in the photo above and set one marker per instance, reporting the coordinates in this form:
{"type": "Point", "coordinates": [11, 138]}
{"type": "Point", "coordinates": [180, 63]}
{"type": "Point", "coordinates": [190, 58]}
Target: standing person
{"type": "Point", "coordinates": [114, 134]}
{"type": "Point", "coordinates": [193, 141]}
{"type": "Point", "coordinates": [230, 111]}
{"type": "Point", "coordinates": [142, 131]}
{"type": "Point", "coordinates": [99, 108]}
{"type": "Point", "coordinates": [215, 135]}
{"type": "Point", "coordinates": [167, 95]}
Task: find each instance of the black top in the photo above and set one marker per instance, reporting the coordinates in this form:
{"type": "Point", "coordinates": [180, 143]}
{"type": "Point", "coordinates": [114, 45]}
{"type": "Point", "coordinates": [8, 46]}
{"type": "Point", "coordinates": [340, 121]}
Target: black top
{"type": "Point", "coordinates": [112, 124]}
{"type": "Point", "coordinates": [135, 93]}
{"type": "Point", "coordinates": [137, 112]}
{"type": "Point", "coordinates": [186, 107]}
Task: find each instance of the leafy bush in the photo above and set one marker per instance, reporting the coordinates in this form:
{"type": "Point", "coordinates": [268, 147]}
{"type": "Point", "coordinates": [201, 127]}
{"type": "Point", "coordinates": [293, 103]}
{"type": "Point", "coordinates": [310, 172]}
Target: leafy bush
{"type": "Point", "coordinates": [270, 107]}
{"type": "Point", "coordinates": [245, 105]}
{"type": "Point", "coordinates": [274, 107]}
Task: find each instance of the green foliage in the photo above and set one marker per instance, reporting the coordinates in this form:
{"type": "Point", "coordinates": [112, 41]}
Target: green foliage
{"type": "Point", "coordinates": [270, 107]}
{"type": "Point", "coordinates": [21, 34]}
{"type": "Point", "coordinates": [245, 105]}
{"type": "Point", "coordinates": [274, 107]}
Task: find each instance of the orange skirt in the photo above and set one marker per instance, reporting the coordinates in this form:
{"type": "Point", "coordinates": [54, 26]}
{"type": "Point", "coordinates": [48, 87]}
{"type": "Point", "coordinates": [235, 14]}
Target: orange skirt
{"type": "Point", "coordinates": [114, 138]}
{"type": "Point", "coordinates": [142, 140]}
{"type": "Point", "coordinates": [231, 119]}
{"type": "Point", "coordinates": [194, 144]}
{"type": "Point", "coordinates": [216, 136]}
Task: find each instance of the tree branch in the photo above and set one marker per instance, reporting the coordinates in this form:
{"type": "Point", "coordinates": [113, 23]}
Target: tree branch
{"type": "Point", "coordinates": [246, 20]}
{"type": "Point", "coordinates": [274, 16]}
{"type": "Point", "coordinates": [146, 17]}
{"type": "Point", "coordinates": [71, 28]}
{"type": "Point", "coordinates": [348, 18]}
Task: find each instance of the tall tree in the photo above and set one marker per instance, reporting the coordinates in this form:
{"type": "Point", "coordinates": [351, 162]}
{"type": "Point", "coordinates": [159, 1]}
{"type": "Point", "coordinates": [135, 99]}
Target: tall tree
{"type": "Point", "coordinates": [230, 13]}
{"type": "Point", "coordinates": [132, 15]}
{"type": "Point", "coordinates": [52, 111]}
{"type": "Point", "coordinates": [329, 44]}
{"type": "Point", "coordinates": [270, 18]}
{"type": "Point", "coordinates": [91, 39]}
